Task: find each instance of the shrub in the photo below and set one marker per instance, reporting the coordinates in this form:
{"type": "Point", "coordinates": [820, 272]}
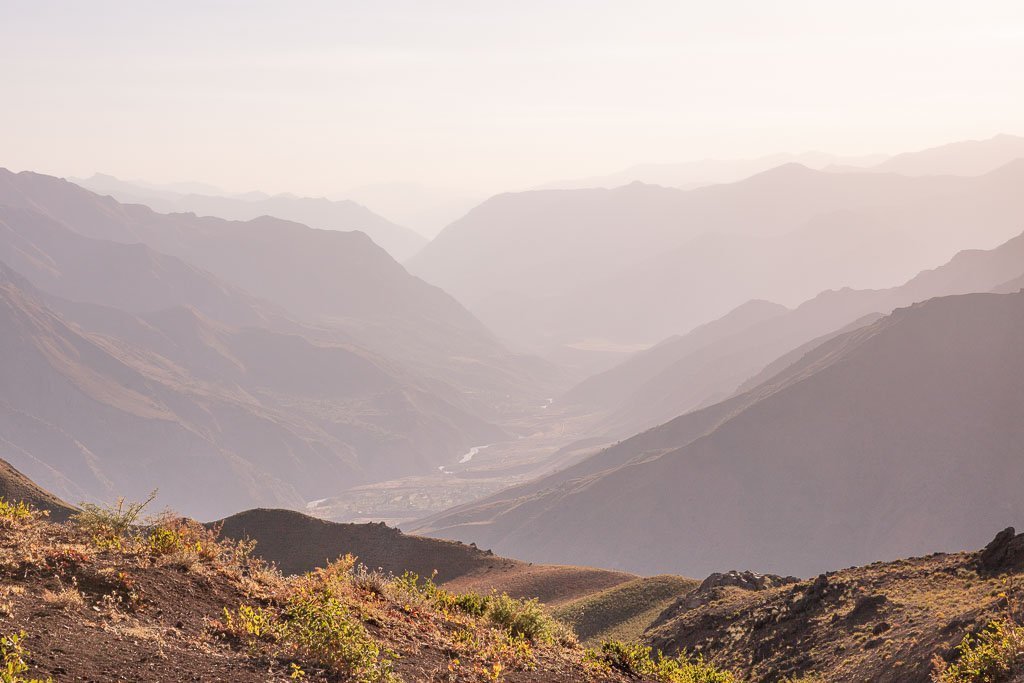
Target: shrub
{"type": "Point", "coordinates": [522, 618]}
{"type": "Point", "coordinates": [163, 541]}
{"type": "Point", "coordinates": [254, 622]}
{"type": "Point", "coordinates": [321, 628]}
{"type": "Point", "coordinates": [14, 657]}
{"type": "Point", "coordinates": [14, 513]}
{"type": "Point", "coordinates": [635, 660]}
{"type": "Point", "coordinates": [412, 591]}
{"type": "Point", "coordinates": [473, 604]}
{"type": "Point", "coordinates": [992, 656]}
{"type": "Point", "coordinates": [109, 525]}
{"type": "Point", "coordinates": [314, 625]}
{"type": "Point", "coordinates": [172, 536]}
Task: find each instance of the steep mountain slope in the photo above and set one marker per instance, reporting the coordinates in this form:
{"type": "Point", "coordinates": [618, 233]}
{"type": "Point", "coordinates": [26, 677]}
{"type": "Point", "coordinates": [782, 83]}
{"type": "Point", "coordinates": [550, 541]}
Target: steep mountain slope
{"type": "Point", "coordinates": [687, 372]}
{"type": "Point", "coordinates": [216, 417]}
{"type": "Point", "coordinates": [606, 389]}
{"type": "Point", "coordinates": [876, 444]}
{"type": "Point", "coordinates": [320, 213]}
{"type": "Point", "coordinates": [131, 277]}
{"type": "Point", "coordinates": [335, 280]}
{"type": "Point", "coordinates": [549, 268]}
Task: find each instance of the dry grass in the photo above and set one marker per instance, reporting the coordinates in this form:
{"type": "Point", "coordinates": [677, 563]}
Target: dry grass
{"type": "Point", "coordinates": [64, 598]}
{"type": "Point", "coordinates": [625, 611]}
{"type": "Point", "coordinates": [342, 622]}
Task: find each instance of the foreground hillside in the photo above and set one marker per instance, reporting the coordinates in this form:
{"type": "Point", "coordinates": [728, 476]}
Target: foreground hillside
{"type": "Point", "coordinates": [112, 595]}
{"type": "Point", "coordinates": [96, 600]}
{"type": "Point", "coordinates": [886, 622]}
{"type": "Point", "coordinates": [879, 443]}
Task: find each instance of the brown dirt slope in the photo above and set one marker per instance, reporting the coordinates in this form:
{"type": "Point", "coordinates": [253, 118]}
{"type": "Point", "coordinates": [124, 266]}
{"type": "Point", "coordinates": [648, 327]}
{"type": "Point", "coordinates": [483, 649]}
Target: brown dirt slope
{"type": "Point", "coordinates": [299, 543]}
{"type": "Point", "coordinates": [882, 622]}
{"type": "Point", "coordinates": [152, 613]}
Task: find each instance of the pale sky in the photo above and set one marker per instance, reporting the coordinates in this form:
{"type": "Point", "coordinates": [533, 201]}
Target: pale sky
{"type": "Point", "coordinates": [315, 97]}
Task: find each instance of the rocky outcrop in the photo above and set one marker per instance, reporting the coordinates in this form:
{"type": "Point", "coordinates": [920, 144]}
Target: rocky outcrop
{"type": "Point", "coordinates": [1005, 551]}
{"type": "Point", "coordinates": [714, 586]}
{"type": "Point", "coordinates": [747, 580]}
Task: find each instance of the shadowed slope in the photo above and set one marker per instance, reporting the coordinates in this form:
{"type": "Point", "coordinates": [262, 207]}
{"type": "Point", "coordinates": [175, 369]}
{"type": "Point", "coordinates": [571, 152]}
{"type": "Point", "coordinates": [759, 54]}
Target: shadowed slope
{"type": "Point", "coordinates": [875, 444]}
{"type": "Point", "coordinates": [15, 486]}
{"type": "Point", "coordinates": [688, 372]}
{"type": "Point", "coordinates": [95, 402]}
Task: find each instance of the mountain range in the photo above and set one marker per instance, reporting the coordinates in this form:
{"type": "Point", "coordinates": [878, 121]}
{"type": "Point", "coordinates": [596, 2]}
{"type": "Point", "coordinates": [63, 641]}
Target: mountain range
{"type": "Point", "coordinates": [758, 338]}
{"type": "Point", "coordinates": [152, 348]}
{"type": "Point", "coordinates": [318, 212]}
{"type": "Point", "coordinates": [875, 444]}
{"type": "Point", "coordinates": [553, 269]}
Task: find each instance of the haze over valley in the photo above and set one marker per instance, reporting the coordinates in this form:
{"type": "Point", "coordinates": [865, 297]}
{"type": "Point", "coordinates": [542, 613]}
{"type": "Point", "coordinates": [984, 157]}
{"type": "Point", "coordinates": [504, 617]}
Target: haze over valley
{"type": "Point", "coordinates": [392, 342]}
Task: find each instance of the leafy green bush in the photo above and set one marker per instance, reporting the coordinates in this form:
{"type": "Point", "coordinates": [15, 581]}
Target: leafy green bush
{"type": "Point", "coordinates": [992, 656]}
{"type": "Point", "coordinates": [321, 628]}
{"type": "Point", "coordinates": [473, 604]}
{"type": "Point", "coordinates": [14, 655]}
{"type": "Point", "coordinates": [14, 513]}
{"type": "Point", "coordinates": [313, 624]}
{"type": "Point", "coordinates": [523, 618]}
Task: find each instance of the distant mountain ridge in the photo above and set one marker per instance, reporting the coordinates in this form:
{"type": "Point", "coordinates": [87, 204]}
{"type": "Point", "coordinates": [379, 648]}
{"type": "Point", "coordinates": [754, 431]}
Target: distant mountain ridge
{"type": "Point", "coordinates": [330, 280]}
{"type": "Point", "coordinates": [967, 158]}
{"type": "Point", "coordinates": [708, 364]}
{"type": "Point", "coordinates": [316, 212]}
{"type": "Point", "coordinates": [548, 269]}
{"type": "Point", "coordinates": [690, 174]}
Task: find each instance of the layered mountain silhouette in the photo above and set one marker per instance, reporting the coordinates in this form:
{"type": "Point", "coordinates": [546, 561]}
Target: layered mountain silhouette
{"type": "Point", "coordinates": [690, 174]}
{"type": "Point", "coordinates": [758, 339]}
{"type": "Point", "coordinates": [131, 277]}
{"type": "Point", "coordinates": [229, 363]}
{"type": "Point", "coordinates": [97, 402]}
{"type": "Point", "coordinates": [878, 443]}
{"type": "Point", "coordinates": [970, 157]}
{"type": "Point", "coordinates": [550, 268]}
{"type": "Point", "coordinates": [337, 284]}
{"type": "Point", "coordinates": [317, 212]}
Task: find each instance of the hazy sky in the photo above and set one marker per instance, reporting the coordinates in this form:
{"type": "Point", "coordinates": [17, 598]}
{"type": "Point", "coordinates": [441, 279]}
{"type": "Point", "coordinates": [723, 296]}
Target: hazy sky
{"type": "Point", "coordinates": [315, 97]}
